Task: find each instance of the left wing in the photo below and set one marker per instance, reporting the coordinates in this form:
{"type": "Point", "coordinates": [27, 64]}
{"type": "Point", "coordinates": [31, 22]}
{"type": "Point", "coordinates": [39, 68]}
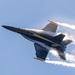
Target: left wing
{"type": "Point", "coordinates": [41, 52]}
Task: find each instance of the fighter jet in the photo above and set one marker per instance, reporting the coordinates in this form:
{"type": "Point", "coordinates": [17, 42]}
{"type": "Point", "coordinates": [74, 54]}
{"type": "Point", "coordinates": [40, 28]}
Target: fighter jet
{"type": "Point", "coordinates": [44, 40]}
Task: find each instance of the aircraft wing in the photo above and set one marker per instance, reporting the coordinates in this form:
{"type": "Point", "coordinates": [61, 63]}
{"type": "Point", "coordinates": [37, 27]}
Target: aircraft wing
{"type": "Point", "coordinates": [41, 52]}
{"type": "Point", "coordinates": [52, 26]}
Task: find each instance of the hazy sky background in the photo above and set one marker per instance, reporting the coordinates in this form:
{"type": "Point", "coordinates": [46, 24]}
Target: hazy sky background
{"type": "Point", "coordinates": [16, 53]}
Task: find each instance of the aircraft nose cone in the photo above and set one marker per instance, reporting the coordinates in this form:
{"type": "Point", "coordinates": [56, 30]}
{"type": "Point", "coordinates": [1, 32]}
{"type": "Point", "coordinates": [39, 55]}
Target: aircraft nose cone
{"type": "Point", "coordinates": [10, 28]}
{"type": "Point", "coordinates": [18, 30]}
{"type": "Point", "coordinates": [7, 27]}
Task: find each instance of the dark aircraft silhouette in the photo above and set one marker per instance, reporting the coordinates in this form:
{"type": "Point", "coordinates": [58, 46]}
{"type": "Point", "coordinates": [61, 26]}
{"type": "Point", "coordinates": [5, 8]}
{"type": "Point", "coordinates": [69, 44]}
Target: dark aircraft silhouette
{"type": "Point", "coordinates": [44, 40]}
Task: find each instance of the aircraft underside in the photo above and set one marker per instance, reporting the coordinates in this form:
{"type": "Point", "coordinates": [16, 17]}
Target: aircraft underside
{"type": "Point", "coordinates": [44, 40]}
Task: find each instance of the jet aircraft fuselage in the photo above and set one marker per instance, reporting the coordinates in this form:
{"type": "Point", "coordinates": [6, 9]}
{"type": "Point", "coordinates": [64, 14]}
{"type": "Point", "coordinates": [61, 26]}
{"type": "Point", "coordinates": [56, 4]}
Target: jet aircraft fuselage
{"type": "Point", "coordinates": [43, 40]}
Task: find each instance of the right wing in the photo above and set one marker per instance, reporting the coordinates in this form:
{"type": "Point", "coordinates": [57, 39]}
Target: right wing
{"type": "Point", "coordinates": [41, 52]}
{"type": "Point", "coordinates": [52, 26]}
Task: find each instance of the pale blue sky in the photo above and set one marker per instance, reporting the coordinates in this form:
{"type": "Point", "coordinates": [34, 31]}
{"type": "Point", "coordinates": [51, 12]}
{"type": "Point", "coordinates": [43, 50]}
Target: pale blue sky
{"type": "Point", "coordinates": [16, 53]}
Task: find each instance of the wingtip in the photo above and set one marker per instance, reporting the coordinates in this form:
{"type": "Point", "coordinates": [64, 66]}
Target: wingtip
{"type": "Point", "coordinates": [52, 22]}
{"type": "Point", "coordinates": [49, 20]}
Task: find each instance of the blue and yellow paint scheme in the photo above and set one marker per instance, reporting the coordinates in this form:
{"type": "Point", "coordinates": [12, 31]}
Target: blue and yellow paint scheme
{"type": "Point", "coordinates": [44, 39]}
